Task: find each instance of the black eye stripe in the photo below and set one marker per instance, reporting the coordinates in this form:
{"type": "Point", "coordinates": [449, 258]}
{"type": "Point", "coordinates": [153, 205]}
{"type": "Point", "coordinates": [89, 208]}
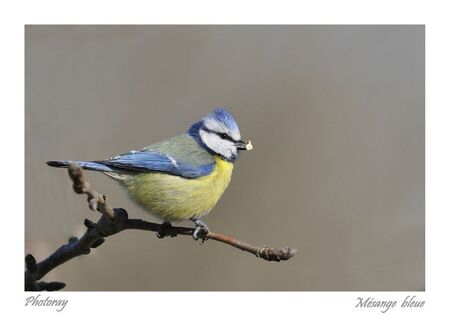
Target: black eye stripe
{"type": "Point", "coordinates": [225, 136]}
{"type": "Point", "coordinates": [221, 135]}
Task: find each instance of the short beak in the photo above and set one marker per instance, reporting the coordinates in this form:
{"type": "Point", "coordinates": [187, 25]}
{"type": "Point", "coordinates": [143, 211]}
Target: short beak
{"type": "Point", "coordinates": [241, 145]}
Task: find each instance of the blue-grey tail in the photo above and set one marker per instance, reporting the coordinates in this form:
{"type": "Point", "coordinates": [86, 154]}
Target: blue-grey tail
{"type": "Point", "coordinates": [87, 165]}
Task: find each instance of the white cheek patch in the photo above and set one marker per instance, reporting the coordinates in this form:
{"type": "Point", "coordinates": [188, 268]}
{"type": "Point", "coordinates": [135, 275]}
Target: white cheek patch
{"type": "Point", "coordinates": [218, 145]}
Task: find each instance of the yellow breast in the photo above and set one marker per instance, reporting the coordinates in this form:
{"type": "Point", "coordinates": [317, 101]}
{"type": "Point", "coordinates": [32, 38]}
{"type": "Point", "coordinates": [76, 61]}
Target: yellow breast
{"type": "Point", "coordinates": [174, 198]}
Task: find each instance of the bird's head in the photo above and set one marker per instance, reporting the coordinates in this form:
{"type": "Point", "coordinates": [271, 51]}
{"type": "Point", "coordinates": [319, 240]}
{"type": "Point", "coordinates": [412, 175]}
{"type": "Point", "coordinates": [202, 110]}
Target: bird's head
{"type": "Point", "coordinates": [219, 133]}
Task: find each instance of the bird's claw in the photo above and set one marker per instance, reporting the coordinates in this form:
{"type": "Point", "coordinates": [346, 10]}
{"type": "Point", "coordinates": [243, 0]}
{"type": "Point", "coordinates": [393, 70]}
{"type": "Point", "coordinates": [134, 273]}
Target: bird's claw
{"type": "Point", "coordinates": [164, 230]}
{"type": "Point", "coordinates": [200, 231]}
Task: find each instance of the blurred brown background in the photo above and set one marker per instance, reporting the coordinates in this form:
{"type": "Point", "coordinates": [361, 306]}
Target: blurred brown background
{"type": "Point", "coordinates": [336, 115]}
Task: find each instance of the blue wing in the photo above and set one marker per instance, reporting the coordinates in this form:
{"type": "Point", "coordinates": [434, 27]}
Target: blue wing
{"type": "Point", "coordinates": [180, 156]}
{"type": "Point", "coordinates": [145, 161]}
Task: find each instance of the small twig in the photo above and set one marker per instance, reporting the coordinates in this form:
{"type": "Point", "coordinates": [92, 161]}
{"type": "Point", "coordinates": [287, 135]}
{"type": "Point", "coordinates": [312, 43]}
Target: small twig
{"type": "Point", "coordinates": [112, 222]}
{"type": "Point", "coordinates": [267, 253]}
{"type": "Point", "coordinates": [96, 201]}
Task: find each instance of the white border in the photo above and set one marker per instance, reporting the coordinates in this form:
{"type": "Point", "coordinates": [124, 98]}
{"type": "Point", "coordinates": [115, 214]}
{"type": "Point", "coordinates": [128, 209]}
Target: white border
{"type": "Point", "coordinates": [432, 13]}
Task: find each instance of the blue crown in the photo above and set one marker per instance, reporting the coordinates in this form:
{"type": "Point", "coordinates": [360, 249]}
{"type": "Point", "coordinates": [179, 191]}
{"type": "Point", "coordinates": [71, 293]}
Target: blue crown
{"type": "Point", "coordinates": [225, 117]}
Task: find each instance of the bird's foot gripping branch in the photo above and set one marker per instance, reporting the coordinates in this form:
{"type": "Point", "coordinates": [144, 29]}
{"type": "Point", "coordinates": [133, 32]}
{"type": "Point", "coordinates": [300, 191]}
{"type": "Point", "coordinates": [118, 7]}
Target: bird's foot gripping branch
{"type": "Point", "coordinates": [113, 221]}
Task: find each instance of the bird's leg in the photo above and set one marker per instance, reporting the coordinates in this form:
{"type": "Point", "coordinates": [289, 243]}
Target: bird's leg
{"type": "Point", "coordinates": [200, 231]}
{"type": "Point", "coordinates": [164, 230]}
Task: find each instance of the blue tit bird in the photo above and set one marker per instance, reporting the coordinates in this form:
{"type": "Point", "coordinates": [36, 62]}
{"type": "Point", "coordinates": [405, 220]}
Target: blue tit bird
{"type": "Point", "coordinates": [181, 178]}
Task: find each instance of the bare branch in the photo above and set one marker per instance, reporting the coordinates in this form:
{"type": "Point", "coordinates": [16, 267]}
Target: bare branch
{"type": "Point", "coordinates": [112, 222]}
{"type": "Point", "coordinates": [267, 253]}
{"type": "Point", "coordinates": [96, 201]}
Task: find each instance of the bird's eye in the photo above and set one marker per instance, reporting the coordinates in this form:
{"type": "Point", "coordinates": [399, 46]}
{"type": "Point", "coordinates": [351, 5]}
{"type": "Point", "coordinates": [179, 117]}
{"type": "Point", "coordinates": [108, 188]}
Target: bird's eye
{"type": "Point", "coordinates": [223, 136]}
